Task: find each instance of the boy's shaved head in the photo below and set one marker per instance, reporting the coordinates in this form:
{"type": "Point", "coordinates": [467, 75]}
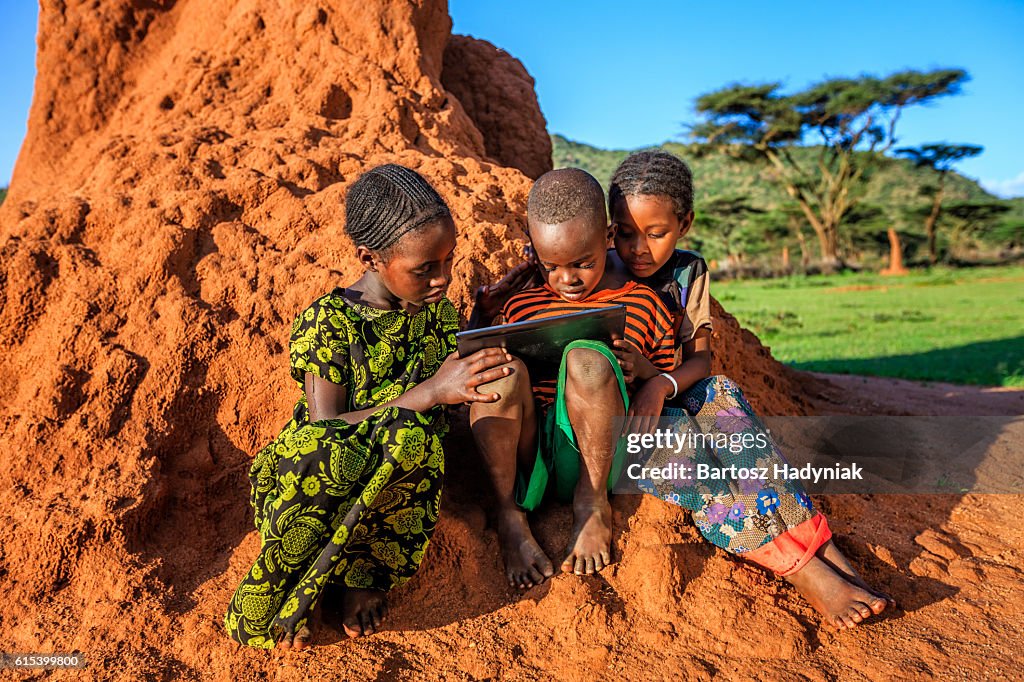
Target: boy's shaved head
{"type": "Point", "coordinates": [569, 231]}
{"type": "Point", "coordinates": [561, 195]}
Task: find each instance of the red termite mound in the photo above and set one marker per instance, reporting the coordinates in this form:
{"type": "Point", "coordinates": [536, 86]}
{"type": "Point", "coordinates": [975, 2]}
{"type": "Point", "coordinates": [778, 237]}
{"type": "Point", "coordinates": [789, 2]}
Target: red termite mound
{"type": "Point", "coordinates": [177, 201]}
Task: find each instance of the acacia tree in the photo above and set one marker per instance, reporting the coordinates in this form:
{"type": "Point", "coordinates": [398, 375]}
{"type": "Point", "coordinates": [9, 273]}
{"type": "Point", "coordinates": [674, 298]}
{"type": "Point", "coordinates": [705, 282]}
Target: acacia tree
{"type": "Point", "coordinates": [941, 158]}
{"type": "Point", "coordinates": [727, 216]}
{"type": "Point", "coordinates": [851, 121]}
{"type": "Point", "coordinates": [975, 219]}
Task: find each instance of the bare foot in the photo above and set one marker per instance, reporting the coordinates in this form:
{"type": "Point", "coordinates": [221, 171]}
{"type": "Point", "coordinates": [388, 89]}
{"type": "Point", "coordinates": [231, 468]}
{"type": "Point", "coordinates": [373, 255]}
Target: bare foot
{"type": "Point", "coordinates": [302, 639]}
{"type": "Point", "coordinates": [830, 554]}
{"type": "Point", "coordinates": [526, 564]}
{"type": "Point", "coordinates": [843, 604]}
{"type": "Point", "coordinates": [590, 548]}
{"type": "Point", "coordinates": [362, 611]}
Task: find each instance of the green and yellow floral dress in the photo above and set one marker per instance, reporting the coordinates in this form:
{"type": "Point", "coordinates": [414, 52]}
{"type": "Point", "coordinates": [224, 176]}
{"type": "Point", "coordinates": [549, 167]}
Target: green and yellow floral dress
{"type": "Point", "coordinates": [349, 503]}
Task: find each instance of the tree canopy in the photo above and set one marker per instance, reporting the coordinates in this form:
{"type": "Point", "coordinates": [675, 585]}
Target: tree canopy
{"type": "Point", "coordinates": [851, 120]}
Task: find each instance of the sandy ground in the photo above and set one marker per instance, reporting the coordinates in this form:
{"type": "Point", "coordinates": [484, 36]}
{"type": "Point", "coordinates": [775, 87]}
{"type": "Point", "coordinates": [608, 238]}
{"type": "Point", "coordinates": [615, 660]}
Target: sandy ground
{"type": "Point", "coordinates": [874, 395]}
{"type": "Point", "coordinates": [674, 607]}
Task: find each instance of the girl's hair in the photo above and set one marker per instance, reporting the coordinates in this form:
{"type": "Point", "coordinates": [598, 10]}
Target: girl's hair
{"type": "Point", "coordinates": [654, 173]}
{"type": "Point", "coordinates": [388, 201]}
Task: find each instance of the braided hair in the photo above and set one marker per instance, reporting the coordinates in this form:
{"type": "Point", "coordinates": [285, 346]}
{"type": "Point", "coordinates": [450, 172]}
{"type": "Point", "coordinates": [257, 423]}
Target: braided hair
{"type": "Point", "coordinates": [654, 173]}
{"type": "Point", "coordinates": [387, 202]}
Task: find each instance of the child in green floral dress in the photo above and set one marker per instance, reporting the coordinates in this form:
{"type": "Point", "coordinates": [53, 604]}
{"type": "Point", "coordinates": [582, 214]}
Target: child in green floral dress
{"type": "Point", "coordinates": [349, 491]}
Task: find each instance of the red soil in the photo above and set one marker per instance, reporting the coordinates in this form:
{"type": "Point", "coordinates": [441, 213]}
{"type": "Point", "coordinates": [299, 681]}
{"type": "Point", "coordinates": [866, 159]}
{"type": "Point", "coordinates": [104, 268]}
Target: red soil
{"type": "Point", "coordinates": [178, 200]}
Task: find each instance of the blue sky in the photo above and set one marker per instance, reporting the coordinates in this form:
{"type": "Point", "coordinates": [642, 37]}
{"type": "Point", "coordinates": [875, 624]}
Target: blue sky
{"type": "Point", "coordinates": [625, 74]}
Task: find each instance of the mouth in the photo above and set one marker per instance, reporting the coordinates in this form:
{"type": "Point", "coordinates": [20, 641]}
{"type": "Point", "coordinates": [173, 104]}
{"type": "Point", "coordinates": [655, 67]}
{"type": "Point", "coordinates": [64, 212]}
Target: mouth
{"type": "Point", "coordinates": [641, 264]}
{"type": "Point", "coordinates": [574, 295]}
{"type": "Point", "coordinates": [434, 297]}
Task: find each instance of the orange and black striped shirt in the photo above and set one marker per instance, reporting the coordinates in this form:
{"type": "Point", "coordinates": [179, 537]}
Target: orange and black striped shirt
{"type": "Point", "coordinates": [648, 322]}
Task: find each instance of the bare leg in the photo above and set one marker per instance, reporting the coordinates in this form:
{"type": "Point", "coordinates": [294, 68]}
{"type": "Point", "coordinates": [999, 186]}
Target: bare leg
{"type": "Point", "coordinates": [844, 604]}
{"type": "Point", "coordinates": [362, 611]}
{"type": "Point", "coordinates": [506, 434]}
{"type": "Point", "coordinates": [830, 554]}
{"type": "Point", "coordinates": [593, 401]}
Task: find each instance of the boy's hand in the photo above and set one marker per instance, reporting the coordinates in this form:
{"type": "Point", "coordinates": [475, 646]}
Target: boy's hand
{"type": "Point", "coordinates": [491, 298]}
{"type": "Point", "coordinates": [646, 405]}
{"type": "Point", "coordinates": [633, 363]}
{"type": "Point", "coordinates": [457, 379]}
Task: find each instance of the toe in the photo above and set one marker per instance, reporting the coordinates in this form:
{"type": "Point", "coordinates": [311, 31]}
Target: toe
{"type": "Point", "coordinates": [302, 639]}
{"type": "Point", "coordinates": [580, 567]}
{"type": "Point", "coordinates": [546, 569]}
{"type": "Point", "coordinates": [878, 605]}
{"type": "Point", "coordinates": [606, 557]}
{"type": "Point", "coordinates": [535, 576]}
{"type": "Point", "coordinates": [367, 621]}
{"type": "Point", "coordinates": [588, 565]}
{"type": "Point", "coordinates": [864, 610]}
{"type": "Point", "coordinates": [569, 564]}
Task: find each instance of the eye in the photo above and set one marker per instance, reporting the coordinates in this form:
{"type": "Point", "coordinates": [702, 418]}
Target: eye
{"type": "Point", "coordinates": [656, 235]}
{"type": "Point", "coordinates": [586, 266]}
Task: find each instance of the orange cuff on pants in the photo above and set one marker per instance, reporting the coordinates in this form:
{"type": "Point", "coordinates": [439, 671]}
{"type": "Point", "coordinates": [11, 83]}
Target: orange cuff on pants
{"type": "Point", "coordinates": [791, 551]}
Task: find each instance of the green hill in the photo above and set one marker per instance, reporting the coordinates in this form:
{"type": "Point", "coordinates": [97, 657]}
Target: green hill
{"type": "Point", "coordinates": [717, 175]}
{"type": "Point", "coordinates": [892, 193]}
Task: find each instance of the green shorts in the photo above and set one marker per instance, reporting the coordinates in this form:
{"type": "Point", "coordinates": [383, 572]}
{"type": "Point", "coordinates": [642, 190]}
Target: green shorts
{"type": "Point", "coordinates": [557, 465]}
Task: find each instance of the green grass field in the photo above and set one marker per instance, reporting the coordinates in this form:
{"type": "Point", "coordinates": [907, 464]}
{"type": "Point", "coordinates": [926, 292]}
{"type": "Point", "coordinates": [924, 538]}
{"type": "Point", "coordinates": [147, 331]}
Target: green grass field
{"type": "Point", "coordinates": [963, 326]}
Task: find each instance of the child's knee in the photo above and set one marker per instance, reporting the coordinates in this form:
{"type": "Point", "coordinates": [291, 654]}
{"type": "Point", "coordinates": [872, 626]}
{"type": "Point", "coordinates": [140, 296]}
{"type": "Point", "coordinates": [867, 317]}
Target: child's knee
{"type": "Point", "coordinates": [589, 369]}
{"type": "Point", "coordinates": [510, 388]}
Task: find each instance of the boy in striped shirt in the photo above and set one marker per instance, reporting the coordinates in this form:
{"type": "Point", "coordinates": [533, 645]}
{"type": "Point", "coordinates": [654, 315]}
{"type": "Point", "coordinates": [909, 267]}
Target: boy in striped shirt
{"type": "Point", "coordinates": [557, 434]}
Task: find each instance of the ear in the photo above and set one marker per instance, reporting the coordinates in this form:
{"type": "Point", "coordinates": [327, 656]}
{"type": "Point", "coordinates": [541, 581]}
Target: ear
{"type": "Point", "coordinates": [685, 224]}
{"type": "Point", "coordinates": [612, 229]}
{"type": "Point", "coordinates": [367, 258]}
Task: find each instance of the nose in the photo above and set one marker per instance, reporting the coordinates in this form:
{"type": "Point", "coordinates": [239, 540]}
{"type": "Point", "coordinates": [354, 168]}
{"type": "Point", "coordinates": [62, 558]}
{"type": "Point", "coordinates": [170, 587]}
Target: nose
{"type": "Point", "coordinates": [568, 277]}
{"type": "Point", "coordinates": [442, 278]}
{"type": "Point", "coordinates": [640, 246]}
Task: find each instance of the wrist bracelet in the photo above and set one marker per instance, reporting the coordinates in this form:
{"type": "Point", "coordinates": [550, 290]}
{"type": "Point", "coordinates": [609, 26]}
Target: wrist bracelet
{"type": "Point", "coordinates": [675, 385]}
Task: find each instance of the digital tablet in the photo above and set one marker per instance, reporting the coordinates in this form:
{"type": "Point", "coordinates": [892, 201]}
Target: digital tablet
{"type": "Point", "coordinates": [543, 341]}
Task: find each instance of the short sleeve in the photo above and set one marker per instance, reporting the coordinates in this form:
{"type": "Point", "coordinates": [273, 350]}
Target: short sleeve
{"type": "Point", "coordinates": [448, 320]}
{"type": "Point", "coordinates": [662, 352]}
{"type": "Point", "coordinates": [697, 304]}
{"type": "Point", "coordinates": [319, 343]}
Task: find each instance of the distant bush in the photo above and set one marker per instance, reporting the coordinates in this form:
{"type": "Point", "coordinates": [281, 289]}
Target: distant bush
{"type": "Point", "coordinates": [3, 194]}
